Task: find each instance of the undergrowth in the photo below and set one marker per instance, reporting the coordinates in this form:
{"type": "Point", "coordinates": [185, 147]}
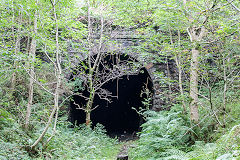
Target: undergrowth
{"type": "Point", "coordinates": [81, 143]}
{"type": "Point", "coordinates": [168, 135]}
{"type": "Point", "coordinates": [165, 134]}
{"type": "Point", "coordinates": [68, 143]}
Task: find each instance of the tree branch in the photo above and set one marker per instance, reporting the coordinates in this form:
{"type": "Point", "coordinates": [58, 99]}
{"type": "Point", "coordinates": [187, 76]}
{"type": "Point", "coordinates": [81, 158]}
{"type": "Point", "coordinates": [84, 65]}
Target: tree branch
{"type": "Point", "coordinates": [233, 5]}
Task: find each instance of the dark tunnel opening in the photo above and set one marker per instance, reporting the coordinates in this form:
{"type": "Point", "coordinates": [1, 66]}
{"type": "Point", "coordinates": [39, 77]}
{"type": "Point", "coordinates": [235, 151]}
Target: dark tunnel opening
{"type": "Point", "coordinates": [118, 117]}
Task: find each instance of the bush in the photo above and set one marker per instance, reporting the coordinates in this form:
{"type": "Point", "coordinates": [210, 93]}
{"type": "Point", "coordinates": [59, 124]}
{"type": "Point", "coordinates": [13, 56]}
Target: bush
{"type": "Point", "coordinates": [164, 135]}
{"type": "Point", "coordinates": [81, 143]}
{"type": "Point", "coordinates": [12, 138]}
{"type": "Point", "coordinates": [68, 143]}
{"type": "Point", "coordinates": [225, 148]}
{"type": "Point", "coordinates": [13, 151]}
{"type": "Point", "coordinates": [5, 118]}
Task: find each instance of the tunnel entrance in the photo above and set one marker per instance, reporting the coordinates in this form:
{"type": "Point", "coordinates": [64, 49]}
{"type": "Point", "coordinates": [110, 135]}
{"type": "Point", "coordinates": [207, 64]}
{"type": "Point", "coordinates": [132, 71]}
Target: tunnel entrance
{"type": "Point", "coordinates": [127, 94]}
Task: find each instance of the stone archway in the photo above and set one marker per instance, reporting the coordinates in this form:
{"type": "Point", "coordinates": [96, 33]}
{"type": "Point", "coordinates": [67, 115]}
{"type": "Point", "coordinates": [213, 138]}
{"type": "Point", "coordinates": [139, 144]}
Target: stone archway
{"type": "Point", "coordinates": [119, 115]}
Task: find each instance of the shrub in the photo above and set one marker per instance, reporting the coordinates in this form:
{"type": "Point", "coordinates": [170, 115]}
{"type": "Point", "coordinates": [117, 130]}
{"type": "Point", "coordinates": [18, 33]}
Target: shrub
{"type": "Point", "coordinates": [225, 148]}
{"type": "Point", "coordinates": [81, 143]}
{"type": "Point", "coordinates": [12, 138]}
{"type": "Point", "coordinates": [163, 135]}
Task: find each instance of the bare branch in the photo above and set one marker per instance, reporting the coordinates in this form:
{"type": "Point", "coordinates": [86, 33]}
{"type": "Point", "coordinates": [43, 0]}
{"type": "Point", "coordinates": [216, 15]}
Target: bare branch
{"type": "Point", "coordinates": [79, 107]}
{"type": "Point", "coordinates": [234, 5]}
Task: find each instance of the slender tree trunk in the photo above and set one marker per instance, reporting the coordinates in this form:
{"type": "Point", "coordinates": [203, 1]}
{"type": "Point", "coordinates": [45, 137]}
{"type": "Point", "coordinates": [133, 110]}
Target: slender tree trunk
{"type": "Point", "coordinates": [16, 50]}
{"type": "Point", "coordinates": [178, 63]}
{"type": "Point", "coordinates": [90, 102]}
{"type": "Point", "coordinates": [31, 67]}
{"type": "Point", "coordinates": [225, 85]}
{"type": "Point", "coordinates": [224, 91]}
{"type": "Point", "coordinates": [194, 115]}
{"type": "Point", "coordinates": [93, 68]}
{"type": "Point", "coordinates": [58, 77]}
{"type": "Point", "coordinates": [88, 117]}
{"type": "Point", "coordinates": [196, 35]}
{"type": "Point", "coordinates": [169, 76]}
{"type": "Point", "coordinates": [90, 76]}
{"type": "Point", "coordinates": [180, 81]}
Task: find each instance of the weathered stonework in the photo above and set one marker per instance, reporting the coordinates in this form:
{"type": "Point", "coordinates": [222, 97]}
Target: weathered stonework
{"type": "Point", "coordinates": [123, 41]}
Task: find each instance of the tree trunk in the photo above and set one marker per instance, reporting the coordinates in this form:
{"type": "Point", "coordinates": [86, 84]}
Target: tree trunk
{"type": "Point", "coordinates": [91, 70]}
{"type": "Point", "coordinates": [88, 118]}
{"type": "Point", "coordinates": [31, 67]}
{"type": "Point", "coordinates": [196, 35]}
{"type": "Point", "coordinates": [16, 50]}
{"type": "Point", "coordinates": [90, 102]}
{"type": "Point", "coordinates": [93, 66]}
{"type": "Point", "coordinates": [169, 77]}
{"type": "Point", "coordinates": [194, 116]}
{"type": "Point", "coordinates": [225, 85]}
{"type": "Point", "coordinates": [178, 63]}
{"type": "Point", "coordinates": [58, 70]}
{"type": "Point", "coordinates": [53, 111]}
{"type": "Point", "coordinates": [224, 91]}
{"type": "Point", "coordinates": [180, 82]}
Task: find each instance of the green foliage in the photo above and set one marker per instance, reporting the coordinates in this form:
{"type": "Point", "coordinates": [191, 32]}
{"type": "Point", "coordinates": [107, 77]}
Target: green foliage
{"type": "Point", "coordinates": [162, 28]}
{"type": "Point", "coordinates": [5, 118]}
{"type": "Point", "coordinates": [163, 133]}
{"type": "Point", "coordinates": [230, 143]}
{"type": "Point", "coordinates": [11, 150]}
{"type": "Point", "coordinates": [12, 138]}
{"type": "Point", "coordinates": [68, 143]}
{"type": "Point", "coordinates": [226, 148]}
{"type": "Point", "coordinates": [81, 143]}
{"type": "Point", "coordinates": [215, 122]}
{"type": "Point", "coordinates": [166, 136]}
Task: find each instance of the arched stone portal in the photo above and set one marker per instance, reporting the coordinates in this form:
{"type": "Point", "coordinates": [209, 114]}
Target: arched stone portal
{"type": "Point", "coordinates": [127, 90]}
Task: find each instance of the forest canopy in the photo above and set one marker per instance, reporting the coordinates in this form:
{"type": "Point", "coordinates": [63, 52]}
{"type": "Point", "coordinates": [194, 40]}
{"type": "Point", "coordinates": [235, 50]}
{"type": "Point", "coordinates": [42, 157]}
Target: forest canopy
{"type": "Point", "coordinates": [53, 52]}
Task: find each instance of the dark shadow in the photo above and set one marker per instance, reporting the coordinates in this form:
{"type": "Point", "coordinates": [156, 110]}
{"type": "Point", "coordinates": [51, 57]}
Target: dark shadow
{"type": "Point", "coordinates": [118, 117]}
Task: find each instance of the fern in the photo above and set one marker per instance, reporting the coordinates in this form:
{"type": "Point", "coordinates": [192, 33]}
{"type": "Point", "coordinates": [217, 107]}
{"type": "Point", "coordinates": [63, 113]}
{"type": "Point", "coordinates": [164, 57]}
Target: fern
{"type": "Point", "coordinates": [162, 136]}
{"type": "Point", "coordinates": [226, 148]}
